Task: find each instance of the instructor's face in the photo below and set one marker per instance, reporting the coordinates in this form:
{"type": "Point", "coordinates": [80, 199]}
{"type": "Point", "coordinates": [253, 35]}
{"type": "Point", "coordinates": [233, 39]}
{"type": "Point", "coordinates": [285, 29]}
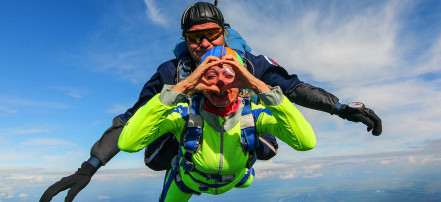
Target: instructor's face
{"type": "Point", "coordinates": [197, 50]}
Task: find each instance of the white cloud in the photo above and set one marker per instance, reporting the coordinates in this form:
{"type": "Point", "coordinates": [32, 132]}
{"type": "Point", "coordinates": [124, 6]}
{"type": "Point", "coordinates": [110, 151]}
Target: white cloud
{"type": "Point", "coordinates": [126, 64]}
{"type": "Point", "coordinates": [412, 160]}
{"type": "Point", "coordinates": [10, 102]}
{"type": "Point", "coordinates": [265, 174]}
{"type": "Point", "coordinates": [431, 60]}
{"type": "Point", "coordinates": [47, 142]}
{"type": "Point", "coordinates": [332, 46]}
{"type": "Point", "coordinates": [6, 189]}
{"type": "Point", "coordinates": [6, 111]}
{"type": "Point", "coordinates": [270, 165]}
{"type": "Point", "coordinates": [430, 160]}
{"type": "Point", "coordinates": [154, 13]}
{"type": "Point", "coordinates": [118, 109]}
{"type": "Point", "coordinates": [71, 91]}
{"type": "Point", "coordinates": [289, 174]}
{"type": "Point", "coordinates": [313, 176]}
{"type": "Point", "coordinates": [312, 168]}
{"type": "Point", "coordinates": [22, 131]}
{"type": "Point", "coordinates": [31, 131]}
{"type": "Point", "coordinates": [102, 197]}
{"type": "Point", "coordinates": [23, 196]}
{"type": "Point", "coordinates": [385, 162]}
{"type": "Point", "coordinates": [29, 179]}
{"type": "Point", "coordinates": [127, 174]}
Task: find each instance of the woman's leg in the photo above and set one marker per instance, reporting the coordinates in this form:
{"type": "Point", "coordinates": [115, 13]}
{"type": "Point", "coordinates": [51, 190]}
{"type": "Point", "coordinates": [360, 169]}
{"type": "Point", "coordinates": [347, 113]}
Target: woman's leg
{"type": "Point", "coordinates": [170, 191]}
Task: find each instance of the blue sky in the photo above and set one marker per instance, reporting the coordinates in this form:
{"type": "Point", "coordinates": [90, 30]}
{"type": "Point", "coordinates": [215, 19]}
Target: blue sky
{"type": "Point", "coordinates": [67, 68]}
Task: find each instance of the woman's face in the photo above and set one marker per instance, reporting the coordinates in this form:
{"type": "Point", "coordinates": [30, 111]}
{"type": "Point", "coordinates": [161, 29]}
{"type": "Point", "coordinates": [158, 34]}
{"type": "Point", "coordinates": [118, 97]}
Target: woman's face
{"type": "Point", "coordinates": [221, 76]}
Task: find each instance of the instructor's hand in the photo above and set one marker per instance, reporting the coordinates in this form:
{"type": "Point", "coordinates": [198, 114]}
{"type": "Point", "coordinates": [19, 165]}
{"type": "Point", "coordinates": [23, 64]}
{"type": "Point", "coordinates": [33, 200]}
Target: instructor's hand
{"type": "Point", "coordinates": [357, 112]}
{"type": "Point", "coordinates": [75, 182]}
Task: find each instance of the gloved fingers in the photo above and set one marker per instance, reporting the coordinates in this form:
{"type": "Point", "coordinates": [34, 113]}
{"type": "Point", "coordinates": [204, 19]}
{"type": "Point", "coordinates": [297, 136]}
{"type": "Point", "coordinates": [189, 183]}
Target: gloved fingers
{"type": "Point", "coordinates": [364, 119]}
{"type": "Point", "coordinates": [75, 189]}
{"type": "Point", "coordinates": [377, 129]}
{"type": "Point", "coordinates": [54, 189]}
{"type": "Point", "coordinates": [369, 129]}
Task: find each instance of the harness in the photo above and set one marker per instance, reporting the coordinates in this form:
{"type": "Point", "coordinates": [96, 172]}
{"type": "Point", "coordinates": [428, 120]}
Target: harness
{"type": "Point", "coordinates": [192, 137]}
{"type": "Point", "coordinates": [159, 154]}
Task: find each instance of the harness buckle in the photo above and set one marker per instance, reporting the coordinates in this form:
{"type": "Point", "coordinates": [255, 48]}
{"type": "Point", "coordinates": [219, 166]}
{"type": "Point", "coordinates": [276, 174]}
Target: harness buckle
{"type": "Point", "coordinates": [192, 139]}
{"type": "Point", "coordinates": [227, 178]}
{"type": "Point", "coordinates": [188, 165]}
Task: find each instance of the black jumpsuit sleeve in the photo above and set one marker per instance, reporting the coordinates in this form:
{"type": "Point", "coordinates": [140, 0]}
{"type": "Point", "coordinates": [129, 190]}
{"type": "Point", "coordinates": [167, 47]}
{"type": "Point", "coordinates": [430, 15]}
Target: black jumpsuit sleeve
{"type": "Point", "coordinates": [107, 146]}
{"type": "Point", "coordinates": [301, 93]}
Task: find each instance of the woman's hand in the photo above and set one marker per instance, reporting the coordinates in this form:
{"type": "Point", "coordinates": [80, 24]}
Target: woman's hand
{"type": "Point", "coordinates": [243, 79]}
{"type": "Point", "coordinates": [196, 81]}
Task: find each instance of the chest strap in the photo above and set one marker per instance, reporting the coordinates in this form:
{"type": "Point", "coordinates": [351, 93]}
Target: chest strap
{"type": "Point", "coordinates": [192, 135]}
{"type": "Point", "coordinates": [249, 138]}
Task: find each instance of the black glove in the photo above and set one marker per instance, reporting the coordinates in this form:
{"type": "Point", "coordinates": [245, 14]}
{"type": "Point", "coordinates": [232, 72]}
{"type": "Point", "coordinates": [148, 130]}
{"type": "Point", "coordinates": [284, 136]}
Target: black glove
{"type": "Point", "coordinates": [75, 182]}
{"type": "Point", "coordinates": [357, 112]}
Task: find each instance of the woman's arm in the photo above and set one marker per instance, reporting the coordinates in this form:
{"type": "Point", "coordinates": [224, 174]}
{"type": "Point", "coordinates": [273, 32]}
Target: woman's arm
{"type": "Point", "coordinates": [286, 121]}
{"type": "Point", "coordinates": [152, 120]}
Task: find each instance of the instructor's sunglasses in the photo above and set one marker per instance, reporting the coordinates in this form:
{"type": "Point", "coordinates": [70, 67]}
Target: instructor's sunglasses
{"type": "Point", "coordinates": [196, 36]}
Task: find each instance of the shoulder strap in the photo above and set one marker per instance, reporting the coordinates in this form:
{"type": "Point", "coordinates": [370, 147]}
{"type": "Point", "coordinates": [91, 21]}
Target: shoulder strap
{"type": "Point", "coordinates": [183, 69]}
{"type": "Point", "coordinates": [192, 135]}
{"type": "Point", "coordinates": [249, 137]}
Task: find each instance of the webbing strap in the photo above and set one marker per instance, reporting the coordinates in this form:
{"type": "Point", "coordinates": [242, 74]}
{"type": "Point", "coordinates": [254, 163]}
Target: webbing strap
{"type": "Point", "coordinates": [246, 121]}
{"type": "Point", "coordinates": [247, 106]}
{"type": "Point", "coordinates": [192, 139]}
{"type": "Point", "coordinates": [193, 136]}
{"type": "Point", "coordinates": [204, 186]}
{"type": "Point", "coordinates": [248, 130]}
{"type": "Point", "coordinates": [175, 173]}
{"type": "Point", "coordinates": [195, 120]}
{"type": "Point", "coordinates": [187, 164]}
{"type": "Point", "coordinates": [248, 138]}
{"type": "Point", "coordinates": [245, 178]}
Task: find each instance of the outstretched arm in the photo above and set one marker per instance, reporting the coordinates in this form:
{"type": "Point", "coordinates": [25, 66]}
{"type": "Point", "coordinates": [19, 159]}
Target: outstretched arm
{"type": "Point", "coordinates": [316, 98]}
{"type": "Point", "coordinates": [308, 95]}
{"type": "Point", "coordinates": [107, 146]}
{"type": "Point", "coordinates": [286, 121]}
{"type": "Point", "coordinates": [152, 120]}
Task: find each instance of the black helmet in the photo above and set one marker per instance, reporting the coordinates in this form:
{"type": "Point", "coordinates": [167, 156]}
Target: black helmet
{"type": "Point", "coordinates": [201, 12]}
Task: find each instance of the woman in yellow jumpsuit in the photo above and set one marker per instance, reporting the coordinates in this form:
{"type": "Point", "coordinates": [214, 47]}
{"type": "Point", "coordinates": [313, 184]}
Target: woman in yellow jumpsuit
{"type": "Point", "coordinates": [219, 160]}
